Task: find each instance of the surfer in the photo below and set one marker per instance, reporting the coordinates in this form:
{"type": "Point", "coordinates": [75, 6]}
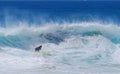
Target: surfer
{"type": "Point", "coordinates": [37, 49]}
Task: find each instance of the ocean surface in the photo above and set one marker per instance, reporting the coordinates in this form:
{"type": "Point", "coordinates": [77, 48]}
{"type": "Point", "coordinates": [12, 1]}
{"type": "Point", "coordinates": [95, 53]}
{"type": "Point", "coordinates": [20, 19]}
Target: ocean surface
{"type": "Point", "coordinates": [77, 37]}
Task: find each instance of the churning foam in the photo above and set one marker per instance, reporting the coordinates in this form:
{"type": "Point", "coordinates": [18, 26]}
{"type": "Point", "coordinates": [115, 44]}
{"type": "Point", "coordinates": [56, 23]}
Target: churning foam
{"type": "Point", "coordinates": [64, 46]}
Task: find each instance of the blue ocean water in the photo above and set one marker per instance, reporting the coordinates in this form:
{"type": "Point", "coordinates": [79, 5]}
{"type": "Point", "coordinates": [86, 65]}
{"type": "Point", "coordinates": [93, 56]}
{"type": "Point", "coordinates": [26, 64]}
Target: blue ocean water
{"type": "Point", "coordinates": [77, 36]}
{"type": "Point", "coordinates": [39, 12]}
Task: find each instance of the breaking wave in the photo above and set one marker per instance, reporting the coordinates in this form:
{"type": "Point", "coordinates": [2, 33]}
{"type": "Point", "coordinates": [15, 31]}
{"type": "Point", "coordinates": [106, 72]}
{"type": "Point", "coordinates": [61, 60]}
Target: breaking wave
{"type": "Point", "coordinates": [70, 44]}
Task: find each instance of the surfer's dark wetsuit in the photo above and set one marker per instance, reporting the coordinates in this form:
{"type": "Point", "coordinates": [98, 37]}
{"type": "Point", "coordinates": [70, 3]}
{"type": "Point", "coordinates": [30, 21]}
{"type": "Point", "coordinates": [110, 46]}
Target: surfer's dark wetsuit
{"type": "Point", "coordinates": [37, 49]}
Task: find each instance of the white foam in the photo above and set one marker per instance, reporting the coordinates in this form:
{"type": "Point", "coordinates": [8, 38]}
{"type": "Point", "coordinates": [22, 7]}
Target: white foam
{"type": "Point", "coordinates": [73, 52]}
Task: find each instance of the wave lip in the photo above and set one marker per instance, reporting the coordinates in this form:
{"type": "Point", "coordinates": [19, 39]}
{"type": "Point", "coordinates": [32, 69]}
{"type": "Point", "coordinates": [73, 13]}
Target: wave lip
{"type": "Point", "coordinates": [23, 36]}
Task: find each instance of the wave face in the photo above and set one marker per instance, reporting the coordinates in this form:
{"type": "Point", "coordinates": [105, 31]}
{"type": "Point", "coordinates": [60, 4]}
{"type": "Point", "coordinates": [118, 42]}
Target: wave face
{"type": "Point", "coordinates": [73, 45]}
{"type": "Point", "coordinates": [79, 42]}
{"type": "Point", "coordinates": [56, 33]}
{"type": "Point", "coordinates": [78, 45]}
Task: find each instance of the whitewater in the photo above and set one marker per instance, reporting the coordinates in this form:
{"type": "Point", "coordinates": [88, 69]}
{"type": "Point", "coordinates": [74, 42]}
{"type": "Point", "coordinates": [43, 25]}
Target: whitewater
{"type": "Point", "coordinates": [68, 48]}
